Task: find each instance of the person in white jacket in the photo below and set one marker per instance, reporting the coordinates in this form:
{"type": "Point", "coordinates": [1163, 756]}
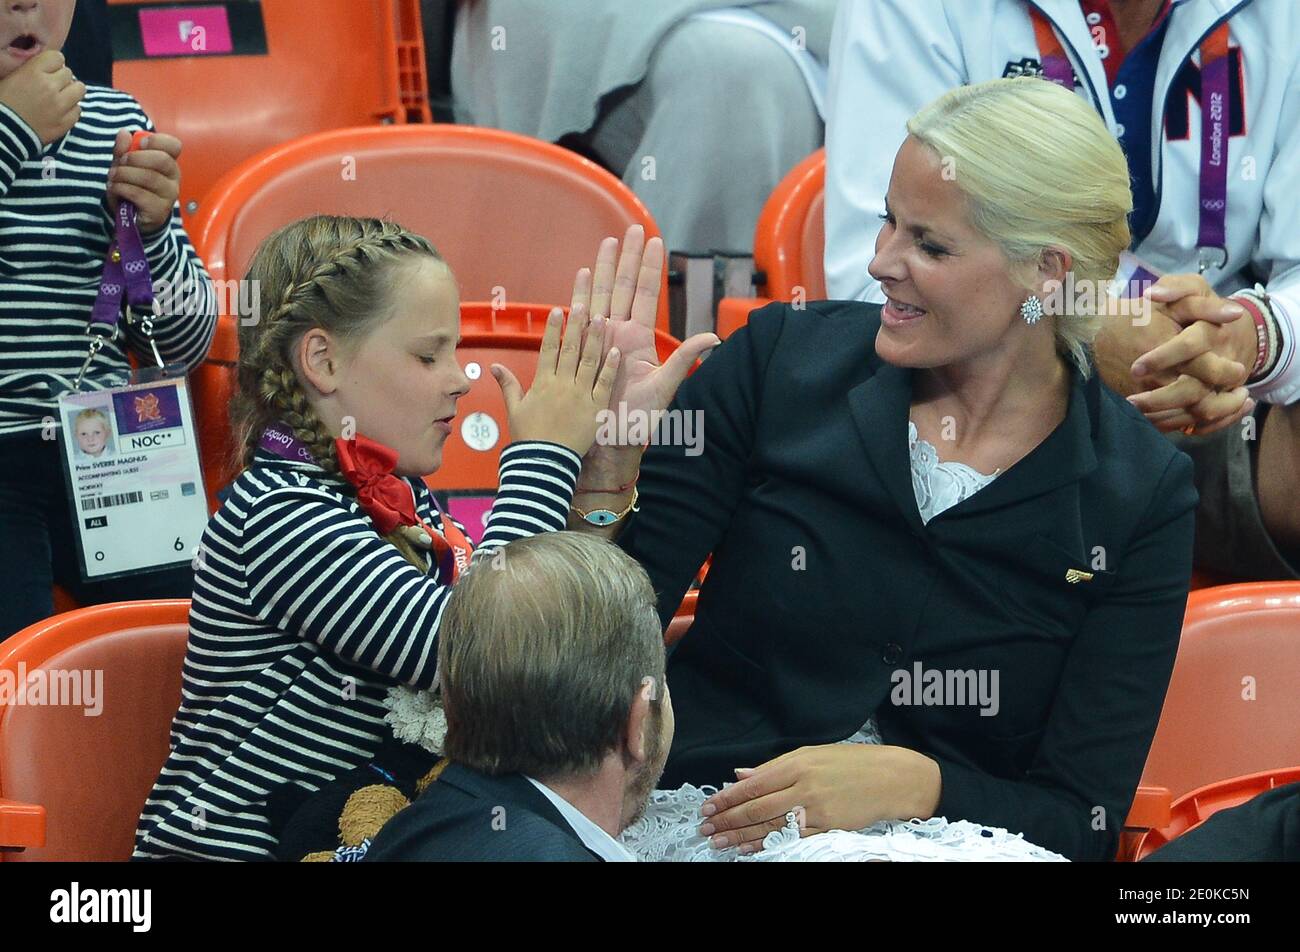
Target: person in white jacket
{"type": "Point", "coordinates": [1205, 99]}
{"type": "Point", "coordinates": [701, 106]}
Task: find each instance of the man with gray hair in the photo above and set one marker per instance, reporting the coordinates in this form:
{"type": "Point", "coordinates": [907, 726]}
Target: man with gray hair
{"type": "Point", "coordinates": [551, 663]}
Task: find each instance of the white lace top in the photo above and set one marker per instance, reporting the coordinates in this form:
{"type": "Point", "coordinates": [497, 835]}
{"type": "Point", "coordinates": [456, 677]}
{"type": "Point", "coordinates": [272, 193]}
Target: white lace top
{"type": "Point", "coordinates": [939, 485]}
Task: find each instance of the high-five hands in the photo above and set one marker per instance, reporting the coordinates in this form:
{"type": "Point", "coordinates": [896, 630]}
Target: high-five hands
{"type": "Point", "coordinates": [627, 294]}
{"type": "Point", "coordinates": [573, 382]}
{"type": "Point", "coordinates": [604, 359]}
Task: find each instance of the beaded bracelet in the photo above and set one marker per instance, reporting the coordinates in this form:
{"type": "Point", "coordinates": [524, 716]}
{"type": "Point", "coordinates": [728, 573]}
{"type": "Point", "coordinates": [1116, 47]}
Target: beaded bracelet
{"type": "Point", "coordinates": [1267, 333]}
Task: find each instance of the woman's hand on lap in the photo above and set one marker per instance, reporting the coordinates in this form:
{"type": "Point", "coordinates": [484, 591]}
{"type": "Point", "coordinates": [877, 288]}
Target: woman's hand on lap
{"type": "Point", "coordinates": [838, 787]}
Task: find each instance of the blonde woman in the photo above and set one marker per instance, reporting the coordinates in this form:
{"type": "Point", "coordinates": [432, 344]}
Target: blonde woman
{"type": "Point", "coordinates": [1180, 84]}
{"type": "Point", "coordinates": [949, 565]}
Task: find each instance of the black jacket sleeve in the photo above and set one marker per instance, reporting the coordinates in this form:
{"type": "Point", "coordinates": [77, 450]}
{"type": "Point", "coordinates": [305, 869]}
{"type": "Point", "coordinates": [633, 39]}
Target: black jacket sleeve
{"type": "Point", "coordinates": [688, 493]}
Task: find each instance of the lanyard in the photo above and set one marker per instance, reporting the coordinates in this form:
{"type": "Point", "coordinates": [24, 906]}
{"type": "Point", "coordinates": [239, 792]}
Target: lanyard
{"type": "Point", "coordinates": [126, 275]}
{"type": "Point", "coordinates": [451, 548]}
{"type": "Point", "coordinates": [1211, 239]}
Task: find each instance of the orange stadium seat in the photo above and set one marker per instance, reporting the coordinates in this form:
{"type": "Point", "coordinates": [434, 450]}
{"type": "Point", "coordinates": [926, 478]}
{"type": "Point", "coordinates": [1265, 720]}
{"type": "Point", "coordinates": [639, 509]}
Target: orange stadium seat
{"type": "Point", "coordinates": [1216, 726]}
{"type": "Point", "coordinates": [788, 244]}
{"type": "Point", "coordinates": [212, 387]}
{"type": "Point", "coordinates": [222, 107]}
{"type": "Point", "coordinates": [1233, 706]}
{"type": "Point", "coordinates": [445, 182]}
{"type": "Point", "coordinates": [1150, 810]}
{"type": "Point", "coordinates": [514, 217]}
{"type": "Point", "coordinates": [72, 785]}
{"type": "Point", "coordinates": [1192, 809]}
{"type": "Point", "coordinates": [683, 618]}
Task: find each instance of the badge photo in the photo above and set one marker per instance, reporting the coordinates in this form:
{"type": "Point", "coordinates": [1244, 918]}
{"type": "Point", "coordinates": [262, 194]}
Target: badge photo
{"type": "Point", "coordinates": [132, 470]}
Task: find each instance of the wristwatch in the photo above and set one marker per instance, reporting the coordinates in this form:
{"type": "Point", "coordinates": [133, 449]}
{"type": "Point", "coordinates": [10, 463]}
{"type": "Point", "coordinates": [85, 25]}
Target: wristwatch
{"type": "Point", "coordinates": [607, 517]}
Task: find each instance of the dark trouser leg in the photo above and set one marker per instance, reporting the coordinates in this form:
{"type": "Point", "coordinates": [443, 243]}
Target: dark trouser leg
{"type": "Point", "coordinates": [26, 576]}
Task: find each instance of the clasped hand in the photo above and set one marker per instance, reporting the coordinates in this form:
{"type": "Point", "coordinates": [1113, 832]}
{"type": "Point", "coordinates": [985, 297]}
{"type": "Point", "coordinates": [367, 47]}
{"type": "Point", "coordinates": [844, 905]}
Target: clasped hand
{"type": "Point", "coordinates": [1193, 357]}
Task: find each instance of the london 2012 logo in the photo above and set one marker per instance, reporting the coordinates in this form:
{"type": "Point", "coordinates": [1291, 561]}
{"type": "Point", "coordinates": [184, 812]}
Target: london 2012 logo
{"type": "Point", "coordinates": [147, 408]}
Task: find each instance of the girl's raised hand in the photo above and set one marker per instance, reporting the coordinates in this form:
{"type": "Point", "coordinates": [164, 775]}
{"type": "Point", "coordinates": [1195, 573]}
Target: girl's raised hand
{"type": "Point", "coordinates": [574, 380]}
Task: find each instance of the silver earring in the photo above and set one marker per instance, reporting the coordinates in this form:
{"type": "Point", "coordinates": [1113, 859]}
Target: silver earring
{"type": "Point", "coordinates": [1031, 312]}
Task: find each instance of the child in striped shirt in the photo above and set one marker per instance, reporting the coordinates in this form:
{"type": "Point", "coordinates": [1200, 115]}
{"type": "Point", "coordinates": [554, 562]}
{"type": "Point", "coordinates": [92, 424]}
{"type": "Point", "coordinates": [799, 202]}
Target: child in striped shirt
{"type": "Point", "coordinates": [63, 170]}
{"type": "Point", "coordinates": [313, 596]}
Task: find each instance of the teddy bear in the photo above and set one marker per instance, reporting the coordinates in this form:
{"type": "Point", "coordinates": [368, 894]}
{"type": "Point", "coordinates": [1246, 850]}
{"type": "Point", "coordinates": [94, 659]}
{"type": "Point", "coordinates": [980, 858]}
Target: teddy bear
{"type": "Point", "coordinates": [338, 822]}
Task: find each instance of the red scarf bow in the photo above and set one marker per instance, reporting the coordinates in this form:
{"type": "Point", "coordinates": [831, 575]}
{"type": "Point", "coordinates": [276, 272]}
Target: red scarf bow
{"type": "Point", "coordinates": [368, 466]}
{"type": "Point", "coordinates": [389, 501]}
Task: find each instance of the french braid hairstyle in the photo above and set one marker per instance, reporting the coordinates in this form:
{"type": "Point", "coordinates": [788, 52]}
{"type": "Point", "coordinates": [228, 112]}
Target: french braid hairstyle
{"type": "Point", "coordinates": [329, 272]}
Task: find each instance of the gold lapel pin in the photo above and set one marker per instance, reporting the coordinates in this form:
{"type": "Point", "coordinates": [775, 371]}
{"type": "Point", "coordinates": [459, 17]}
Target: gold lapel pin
{"type": "Point", "coordinates": [1075, 576]}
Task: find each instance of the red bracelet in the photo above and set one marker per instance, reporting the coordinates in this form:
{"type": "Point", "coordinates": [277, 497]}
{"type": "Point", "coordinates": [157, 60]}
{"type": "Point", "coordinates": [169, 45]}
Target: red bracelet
{"type": "Point", "coordinates": [612, 492]}
{"type": "Point", "coordinates": [1261, 329]}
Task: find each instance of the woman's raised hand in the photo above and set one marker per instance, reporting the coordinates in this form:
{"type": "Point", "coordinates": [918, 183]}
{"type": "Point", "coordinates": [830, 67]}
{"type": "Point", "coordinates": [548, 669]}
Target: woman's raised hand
{"type": "Point", "coordinates": [624, 288]}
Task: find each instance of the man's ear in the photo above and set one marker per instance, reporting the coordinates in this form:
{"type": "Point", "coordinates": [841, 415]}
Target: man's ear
{"type": "Point", "coordinates": [639, 722]}
{"type": "Point", "coordinates": [319, 360]}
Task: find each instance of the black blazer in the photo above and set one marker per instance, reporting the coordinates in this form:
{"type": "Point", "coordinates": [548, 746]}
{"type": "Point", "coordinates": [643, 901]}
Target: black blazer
{"type": "Point", "coordinates": [467, 816]}
{"type": "Point", "coordinates": [825, 581]}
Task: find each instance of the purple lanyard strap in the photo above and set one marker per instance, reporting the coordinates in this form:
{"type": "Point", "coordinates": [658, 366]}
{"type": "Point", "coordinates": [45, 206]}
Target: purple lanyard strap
{"type": "Point", "coordinates": [1211, 240]}
{"type": "Point", "coordinates": [1215, 130]}
{"type": "Point", "coordinates": [126, 275]}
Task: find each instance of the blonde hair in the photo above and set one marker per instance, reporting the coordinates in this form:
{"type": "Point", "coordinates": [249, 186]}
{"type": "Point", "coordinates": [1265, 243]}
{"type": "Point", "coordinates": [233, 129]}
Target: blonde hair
{"type": "Point", "coordinates": [541, 650]}
{"type": "Point", "coordinates": [1038, 167]}
{"type": "Point", "coordinates": [329, 272]}
{"type": "Point", "coordinates": [90, 413]}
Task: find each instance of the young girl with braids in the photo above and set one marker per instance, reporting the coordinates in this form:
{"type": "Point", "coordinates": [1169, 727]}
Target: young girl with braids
{"type": "Point", "coordinates": [322, 578]}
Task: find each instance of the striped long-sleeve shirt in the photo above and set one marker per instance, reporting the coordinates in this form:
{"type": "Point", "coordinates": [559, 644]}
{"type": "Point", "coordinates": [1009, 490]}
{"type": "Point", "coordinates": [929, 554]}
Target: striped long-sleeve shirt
{"type": "Point", "coordinates": [55, 229]}
{"type": "Point", "coordinates": [302, 618]}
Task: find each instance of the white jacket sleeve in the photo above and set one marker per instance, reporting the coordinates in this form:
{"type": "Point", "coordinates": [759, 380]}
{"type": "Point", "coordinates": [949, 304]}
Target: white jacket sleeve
{"type": "Point", "coordinates": [888, 59]}
{"type": "Point", "coordinates": [1278, 252]}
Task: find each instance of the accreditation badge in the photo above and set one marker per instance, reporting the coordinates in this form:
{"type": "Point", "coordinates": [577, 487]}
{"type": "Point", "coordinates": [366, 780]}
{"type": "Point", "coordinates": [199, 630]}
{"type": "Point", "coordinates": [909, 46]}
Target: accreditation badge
{"type": "Point", "coordinates": [131, 463]}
